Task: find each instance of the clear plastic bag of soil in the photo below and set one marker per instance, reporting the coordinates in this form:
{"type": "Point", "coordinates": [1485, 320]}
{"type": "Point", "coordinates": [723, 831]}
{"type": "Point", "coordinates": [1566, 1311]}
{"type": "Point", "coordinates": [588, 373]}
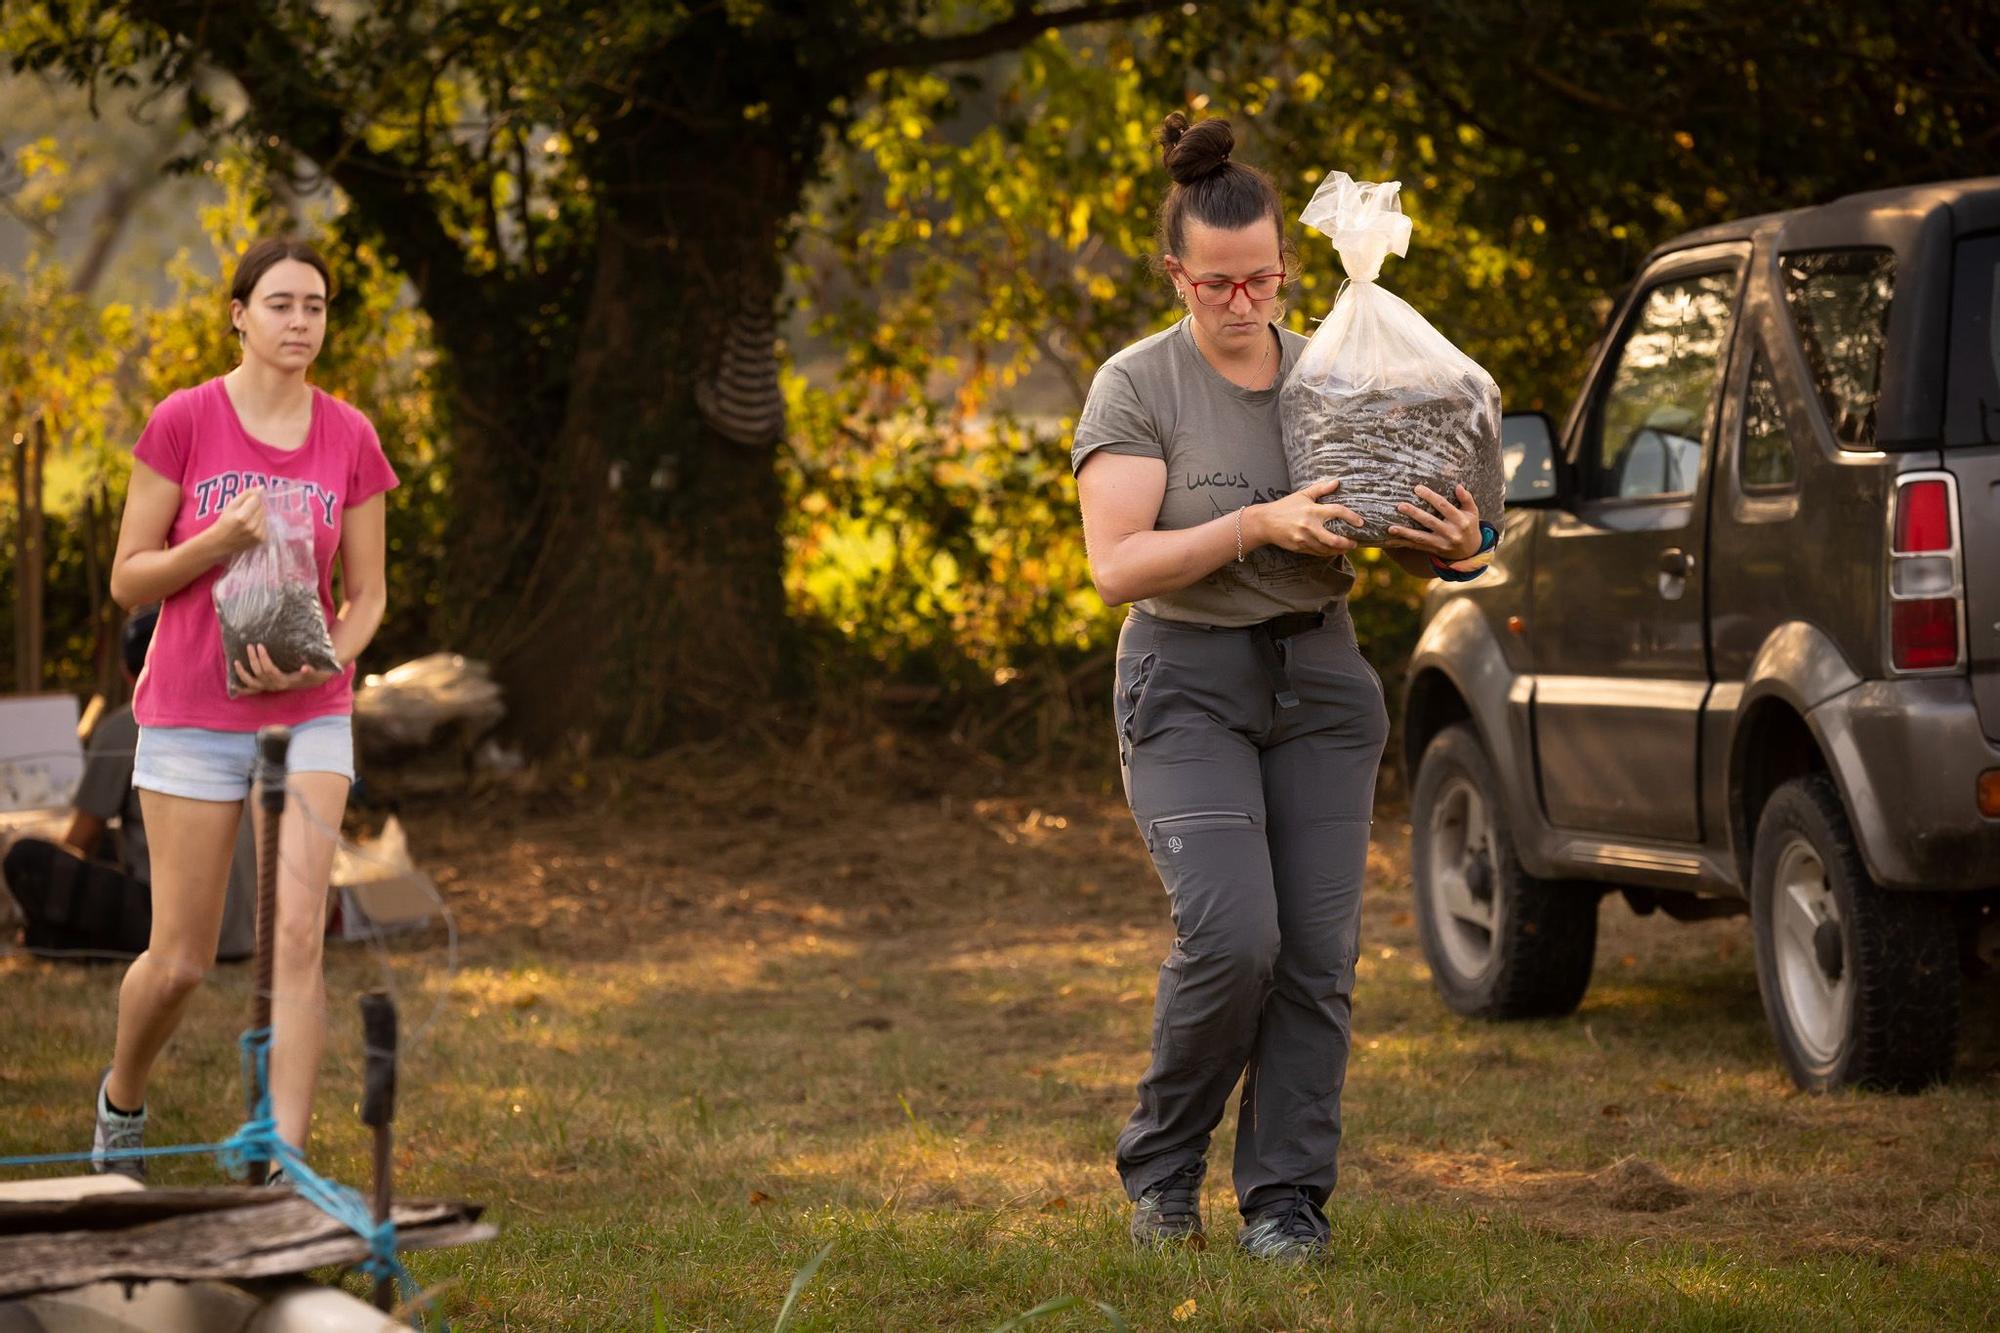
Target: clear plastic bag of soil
{"type": "Point", "coordinates": [1379, 398]}
{"type": "Point", "coordinates": [269, 594]}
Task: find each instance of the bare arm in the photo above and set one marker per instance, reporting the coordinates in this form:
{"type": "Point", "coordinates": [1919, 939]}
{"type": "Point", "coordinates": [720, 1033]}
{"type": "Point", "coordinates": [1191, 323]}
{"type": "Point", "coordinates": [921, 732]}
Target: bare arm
{"type": "Point", "coordinates": [83, 832]}
{"type": "Point", "coordinates": [145, 569]}
{"type": "Point", "coordinates": [363, 581]}
{"type": "Point", "coordinates": [1130, 560]}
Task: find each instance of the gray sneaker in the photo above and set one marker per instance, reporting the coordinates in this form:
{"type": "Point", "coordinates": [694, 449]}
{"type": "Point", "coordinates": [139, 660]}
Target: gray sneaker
{"type": "Point", "coordinates": [1295, 1231]}
{"type": "Point", "coordinates": [1170, 1212]}
{"type": "Point", "coordinates": [117, 1133]}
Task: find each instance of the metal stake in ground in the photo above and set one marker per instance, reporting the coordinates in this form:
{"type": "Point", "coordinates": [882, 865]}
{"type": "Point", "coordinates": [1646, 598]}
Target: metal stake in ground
{"type": "Point", "coordinates": [378, 1108]}
{"type": "Point", "coordinates": [272, 745]}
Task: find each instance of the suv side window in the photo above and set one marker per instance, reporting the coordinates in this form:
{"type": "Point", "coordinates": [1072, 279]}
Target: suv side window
{"type": "Point", "coordinates": [1646, 437]}
{"type": "Point", "coordinates": [1768, 462]}
{"type": "Point", "coordinates": [1972, 383]}
{"type": "Point", "coordinates": [1839, 303]}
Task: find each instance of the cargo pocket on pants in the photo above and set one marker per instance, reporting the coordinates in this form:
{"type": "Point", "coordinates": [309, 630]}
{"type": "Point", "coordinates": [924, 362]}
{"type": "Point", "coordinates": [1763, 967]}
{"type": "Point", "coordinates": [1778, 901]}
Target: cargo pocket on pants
{"type": "Point", "coordinates": [1187, 844]}
{"type": "Point", "coordinates": [1128, 701]}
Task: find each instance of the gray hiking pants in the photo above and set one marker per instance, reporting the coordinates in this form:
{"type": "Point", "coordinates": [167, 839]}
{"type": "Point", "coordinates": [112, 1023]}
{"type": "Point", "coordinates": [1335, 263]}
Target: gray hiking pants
{"type": "Point", "coordinates": [1249, 758]}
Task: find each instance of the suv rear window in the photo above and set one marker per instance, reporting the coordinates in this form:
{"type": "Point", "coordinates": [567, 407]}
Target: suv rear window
{"type": "Point", "coordinates": [1839, 301]}
{"type": "Point", "coordinates": [1972, 383]}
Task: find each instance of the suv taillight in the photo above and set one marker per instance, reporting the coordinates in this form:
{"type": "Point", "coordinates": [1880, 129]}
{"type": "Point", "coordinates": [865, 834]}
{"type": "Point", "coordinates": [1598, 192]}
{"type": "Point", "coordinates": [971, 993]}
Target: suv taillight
{"type": "Point", "coordinates": [1925, 587]}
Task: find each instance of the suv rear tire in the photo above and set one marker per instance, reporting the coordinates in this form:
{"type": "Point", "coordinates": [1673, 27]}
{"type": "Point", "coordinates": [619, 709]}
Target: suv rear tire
{"type": "Point", "coordinates": [1861, 985]}
{"type": "Point", "coordinates": [1500, 942]}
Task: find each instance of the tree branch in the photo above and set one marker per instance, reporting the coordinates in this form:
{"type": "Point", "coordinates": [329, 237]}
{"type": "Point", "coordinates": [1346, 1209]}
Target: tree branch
{"type": "Point", "coordinates": [241, 40]}
{"type": "Point", "coordinates": [1022, 27]}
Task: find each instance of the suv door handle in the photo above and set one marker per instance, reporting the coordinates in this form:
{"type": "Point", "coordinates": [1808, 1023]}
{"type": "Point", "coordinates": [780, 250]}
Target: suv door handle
{"type": "Point", "coordinates": [1676, 563]}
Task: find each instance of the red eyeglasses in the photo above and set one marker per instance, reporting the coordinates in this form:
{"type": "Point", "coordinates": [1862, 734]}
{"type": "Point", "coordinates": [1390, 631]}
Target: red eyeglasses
{"type": "Point", "coordinates": [1221, 291]}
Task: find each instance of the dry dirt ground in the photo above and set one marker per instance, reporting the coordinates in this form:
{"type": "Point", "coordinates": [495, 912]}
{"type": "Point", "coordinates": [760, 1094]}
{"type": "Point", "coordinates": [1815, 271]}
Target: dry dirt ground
{"type": "Point", "coordinates": [1010, 916]}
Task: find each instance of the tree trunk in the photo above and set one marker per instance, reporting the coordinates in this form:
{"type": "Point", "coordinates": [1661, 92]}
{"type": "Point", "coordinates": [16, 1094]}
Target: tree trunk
{"type": "Point", "coordinates": [624, 571]}
{"type": "Point", "coordinates": [107, 620]}
{"type": "Point", "coordinates": [29, 558]}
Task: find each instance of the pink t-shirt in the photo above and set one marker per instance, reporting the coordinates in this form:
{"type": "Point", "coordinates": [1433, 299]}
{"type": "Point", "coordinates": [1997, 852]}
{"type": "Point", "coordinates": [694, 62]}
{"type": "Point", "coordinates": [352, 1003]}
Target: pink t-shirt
{"type": "Point", "coordinates": [196, 440]}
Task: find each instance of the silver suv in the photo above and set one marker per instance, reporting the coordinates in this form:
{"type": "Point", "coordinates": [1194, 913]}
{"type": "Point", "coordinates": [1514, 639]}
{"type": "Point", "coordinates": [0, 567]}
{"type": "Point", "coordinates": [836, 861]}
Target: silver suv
{"type": "Point", "coordinates": [1741, 646]}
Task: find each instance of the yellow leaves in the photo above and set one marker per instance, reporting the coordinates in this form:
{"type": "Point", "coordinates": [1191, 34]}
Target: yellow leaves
{"type": "Point", "coordinates": [40, 158]}
{"type": "Point", "coordinates": [1079, 224]}
{"type": "Point", "coordinates": [1184, 1311]}
{"type": "Point", "coordinates": [1309, 85]}
{"type": "Point", "coordinates": [911, 126]}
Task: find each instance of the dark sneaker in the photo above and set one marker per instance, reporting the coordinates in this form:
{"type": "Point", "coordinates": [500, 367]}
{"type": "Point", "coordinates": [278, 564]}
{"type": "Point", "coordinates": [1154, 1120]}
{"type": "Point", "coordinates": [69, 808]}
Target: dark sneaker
{"type": "Point", "coordinates": [1170, 1212]}
{"type": "Point", "coordinates": [117, 1133]}
{"type": "Point", "coordinates": [1295, 1231]}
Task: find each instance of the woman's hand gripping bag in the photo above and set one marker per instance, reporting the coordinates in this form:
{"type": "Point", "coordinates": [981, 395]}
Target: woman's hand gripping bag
{"type": "Point", "coordinates": [269, 594]}
{"type": "Point", "coordinates": [1379, 398]}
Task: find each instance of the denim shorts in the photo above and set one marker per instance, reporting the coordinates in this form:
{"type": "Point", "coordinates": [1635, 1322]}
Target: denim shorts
{"type": "Point", "coordinates": [209, 765]}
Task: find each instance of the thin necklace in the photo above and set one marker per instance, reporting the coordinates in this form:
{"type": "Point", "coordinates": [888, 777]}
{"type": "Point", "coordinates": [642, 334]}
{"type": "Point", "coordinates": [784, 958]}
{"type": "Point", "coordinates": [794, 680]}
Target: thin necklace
{"type": "Point", "coordinates": [1262, 361]}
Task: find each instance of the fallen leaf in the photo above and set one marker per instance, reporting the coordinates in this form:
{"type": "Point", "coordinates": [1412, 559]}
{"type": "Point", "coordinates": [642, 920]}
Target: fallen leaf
{"type": "Point", "coordinates": [759, 1199]}
{"type": "Point", "coordinates": [1629, 960]}
{"type": "Point", "coordinates": [1400, 919]}
{"type": "Point", "coordinates": [1613, 1112]}
{"type": "Point", "coordinates": [1058, 1204]}
{"type": "Point", "coordinates": [1184, 1311]}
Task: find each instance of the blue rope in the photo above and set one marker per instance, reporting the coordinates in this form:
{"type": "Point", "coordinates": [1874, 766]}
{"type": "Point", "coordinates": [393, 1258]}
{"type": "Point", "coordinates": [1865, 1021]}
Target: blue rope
{"type": "Point", "coordinates": [257, 1140]}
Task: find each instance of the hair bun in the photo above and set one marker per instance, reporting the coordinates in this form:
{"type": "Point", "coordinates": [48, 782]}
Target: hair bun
{"type": "Point", "coordinates": [1194, 152]}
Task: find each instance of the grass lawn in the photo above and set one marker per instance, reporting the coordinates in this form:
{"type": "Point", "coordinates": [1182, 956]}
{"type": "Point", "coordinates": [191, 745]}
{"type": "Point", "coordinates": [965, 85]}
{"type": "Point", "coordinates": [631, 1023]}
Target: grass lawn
{"type": "Point", "coordinates": [712, 1017]}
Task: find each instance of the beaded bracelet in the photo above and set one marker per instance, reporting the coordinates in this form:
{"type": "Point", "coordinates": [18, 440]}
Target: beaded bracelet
{"type": "Point", "coordinates": [1464, 571]}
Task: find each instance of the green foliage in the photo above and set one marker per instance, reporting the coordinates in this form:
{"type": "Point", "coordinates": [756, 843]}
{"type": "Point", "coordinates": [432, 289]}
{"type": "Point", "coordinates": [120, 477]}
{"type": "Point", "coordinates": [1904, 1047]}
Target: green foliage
{"type": "Point", "coordinates": [971, 235]}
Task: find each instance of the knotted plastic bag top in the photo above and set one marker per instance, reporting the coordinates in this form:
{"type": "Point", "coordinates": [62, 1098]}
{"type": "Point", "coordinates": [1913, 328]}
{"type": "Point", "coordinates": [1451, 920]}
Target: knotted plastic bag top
{"type": "Point", "coordinates": [1379, 398]}
{"type": "Point", "coordinates": [1363, 219]}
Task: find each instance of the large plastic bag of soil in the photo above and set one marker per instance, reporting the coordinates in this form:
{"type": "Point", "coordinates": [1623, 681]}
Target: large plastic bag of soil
{"type": "Point", "coordinates": [269, 594]}
{"type": "Point", "coordinates": [1379, 398]}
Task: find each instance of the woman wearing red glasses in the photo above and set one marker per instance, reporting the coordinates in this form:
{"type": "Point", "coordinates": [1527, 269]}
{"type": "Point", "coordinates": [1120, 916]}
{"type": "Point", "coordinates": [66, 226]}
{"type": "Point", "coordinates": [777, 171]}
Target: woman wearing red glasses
{"type": "Point", "coordinates": [1250, 728]}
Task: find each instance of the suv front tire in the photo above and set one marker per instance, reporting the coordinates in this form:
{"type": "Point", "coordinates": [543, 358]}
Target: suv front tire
{"type": "Point", "coordinates": [1500, 942]}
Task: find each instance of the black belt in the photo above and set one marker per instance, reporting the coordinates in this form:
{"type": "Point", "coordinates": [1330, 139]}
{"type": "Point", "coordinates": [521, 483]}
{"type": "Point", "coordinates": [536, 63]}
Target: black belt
{"type": "Point", "coordinates": [1296, 622]}
{"type": "Point", "coordinates": [1266, 636]}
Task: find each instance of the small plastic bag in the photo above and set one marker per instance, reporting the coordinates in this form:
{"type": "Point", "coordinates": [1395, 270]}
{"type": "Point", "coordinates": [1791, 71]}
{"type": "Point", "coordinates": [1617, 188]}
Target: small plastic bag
{"type": "Point", "coordinates": [1379, 398]}
{"type": "Point", "coordinates": [269, 594]}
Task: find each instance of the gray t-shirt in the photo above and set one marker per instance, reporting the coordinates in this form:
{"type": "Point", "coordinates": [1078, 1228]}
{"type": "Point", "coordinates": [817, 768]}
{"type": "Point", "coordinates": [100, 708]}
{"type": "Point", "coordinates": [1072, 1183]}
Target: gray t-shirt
{"type": "Point", "coordinates": [1224, 449]}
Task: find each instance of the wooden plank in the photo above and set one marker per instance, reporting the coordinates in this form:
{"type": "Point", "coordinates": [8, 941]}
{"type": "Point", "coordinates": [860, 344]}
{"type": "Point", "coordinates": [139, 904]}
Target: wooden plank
{"type": "Point", "coordinates": [237, 1233]}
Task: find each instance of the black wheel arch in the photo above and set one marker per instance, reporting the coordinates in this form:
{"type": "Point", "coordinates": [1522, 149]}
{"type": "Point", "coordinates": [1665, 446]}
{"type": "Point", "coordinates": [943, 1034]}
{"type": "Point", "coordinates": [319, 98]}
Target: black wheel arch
{"type": "Point", "coordinates": [1431, 703]}
{"type": "Point", "coordinates": [1773, 745]}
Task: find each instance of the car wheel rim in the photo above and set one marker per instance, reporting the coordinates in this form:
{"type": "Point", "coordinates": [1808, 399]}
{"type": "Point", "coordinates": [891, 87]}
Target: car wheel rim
{"type": "Point", "coordinates": [1809, 941]}
{"type": "Point", "coordinates": [1463, 888]}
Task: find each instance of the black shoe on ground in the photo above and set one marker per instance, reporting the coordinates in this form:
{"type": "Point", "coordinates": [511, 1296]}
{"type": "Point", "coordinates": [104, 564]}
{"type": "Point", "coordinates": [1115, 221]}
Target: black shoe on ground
{"type": "Point", "coordinates": [1294, 1231]}
{"type": "Point", "coordinates": [1170, 1212]}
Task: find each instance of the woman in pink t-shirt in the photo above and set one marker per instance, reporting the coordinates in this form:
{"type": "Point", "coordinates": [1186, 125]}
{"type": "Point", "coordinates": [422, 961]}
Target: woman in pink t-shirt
{"type": "Point", "coordinates": [197, 497]}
